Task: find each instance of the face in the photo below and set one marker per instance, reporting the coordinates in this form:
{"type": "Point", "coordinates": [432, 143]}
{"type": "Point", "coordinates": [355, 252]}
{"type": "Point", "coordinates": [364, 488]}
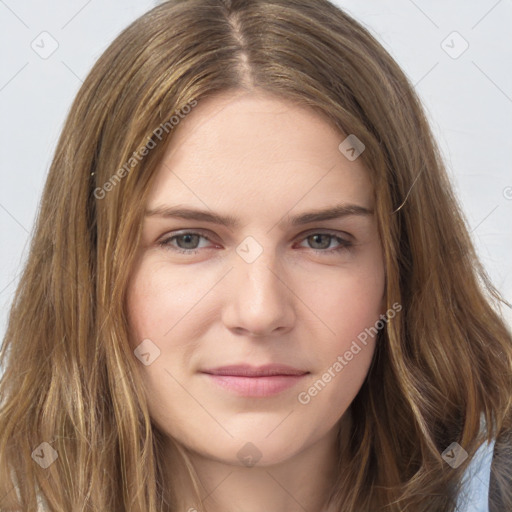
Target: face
{"type": "Point", "coordinates": [273, 286]}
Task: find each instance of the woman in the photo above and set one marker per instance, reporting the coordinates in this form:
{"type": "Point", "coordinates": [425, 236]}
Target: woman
{"type": "Point", "coordinates": [329, 341]}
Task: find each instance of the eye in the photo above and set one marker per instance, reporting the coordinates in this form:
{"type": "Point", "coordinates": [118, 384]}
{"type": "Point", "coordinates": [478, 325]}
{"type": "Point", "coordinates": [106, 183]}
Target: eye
{"type": "Point", "coordinates": [187, 242]}
{"type": "Point", "coordinates": [323, 241]}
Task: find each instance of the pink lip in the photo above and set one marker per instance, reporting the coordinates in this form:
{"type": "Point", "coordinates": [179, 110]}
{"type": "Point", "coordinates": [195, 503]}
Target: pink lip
{"type": "Point", "coordinates": [245, 380]}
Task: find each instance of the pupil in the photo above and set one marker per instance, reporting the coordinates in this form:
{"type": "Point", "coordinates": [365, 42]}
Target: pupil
{"type": "Point", "coordinates": [187, 240]}
{"type": "Point", "coordinates": [327, 237]}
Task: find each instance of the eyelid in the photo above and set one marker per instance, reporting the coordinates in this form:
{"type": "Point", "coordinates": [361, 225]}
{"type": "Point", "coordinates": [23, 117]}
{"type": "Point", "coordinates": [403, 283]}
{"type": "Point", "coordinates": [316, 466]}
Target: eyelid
{"type": "Point", "coordinates": [206, 233]}
{"type": "Point", "coordinates": [327, 231]}
{"type": "Point", "coordinates": [192, 231]}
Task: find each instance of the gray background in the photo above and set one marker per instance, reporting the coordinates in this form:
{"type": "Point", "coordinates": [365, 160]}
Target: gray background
{"type": "Point", "coordinates": [468, 98]}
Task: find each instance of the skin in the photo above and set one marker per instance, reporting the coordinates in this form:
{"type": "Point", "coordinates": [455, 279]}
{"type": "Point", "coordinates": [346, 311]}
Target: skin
{"type": "Point", "coordinates": [262, 160]}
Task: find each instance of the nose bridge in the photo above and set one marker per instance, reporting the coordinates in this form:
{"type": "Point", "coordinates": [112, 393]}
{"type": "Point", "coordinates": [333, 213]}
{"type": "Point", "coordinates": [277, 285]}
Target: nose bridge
{"type": "Point", "coordinates": [257, 270]}
{"type": "Point", "coordinates": [259, 302]}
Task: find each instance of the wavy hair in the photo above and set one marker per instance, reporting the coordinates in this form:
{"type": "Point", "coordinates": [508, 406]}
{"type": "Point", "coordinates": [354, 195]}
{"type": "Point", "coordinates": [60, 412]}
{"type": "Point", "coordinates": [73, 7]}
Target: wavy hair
{"type": "Point", "coordinates": [70, 379]}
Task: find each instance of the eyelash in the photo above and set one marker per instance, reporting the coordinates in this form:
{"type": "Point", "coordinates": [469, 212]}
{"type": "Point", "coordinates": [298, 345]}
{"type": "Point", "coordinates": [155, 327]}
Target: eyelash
{"type": "Point", "coordinates": [344, 244]}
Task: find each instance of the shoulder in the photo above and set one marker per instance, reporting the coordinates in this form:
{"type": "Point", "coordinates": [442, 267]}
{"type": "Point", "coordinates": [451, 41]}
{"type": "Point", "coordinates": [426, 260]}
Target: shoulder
{"type": "Point", "coordinates": [474, 496]}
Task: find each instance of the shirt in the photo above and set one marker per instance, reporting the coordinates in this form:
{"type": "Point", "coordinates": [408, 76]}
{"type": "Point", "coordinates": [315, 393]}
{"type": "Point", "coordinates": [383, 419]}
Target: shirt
{"type": "Point", "coordinates": [475, 494]}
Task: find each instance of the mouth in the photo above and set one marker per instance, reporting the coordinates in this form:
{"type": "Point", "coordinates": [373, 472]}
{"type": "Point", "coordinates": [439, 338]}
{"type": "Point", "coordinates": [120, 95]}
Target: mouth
{"type": "Point", "coordinates": [248, 381]}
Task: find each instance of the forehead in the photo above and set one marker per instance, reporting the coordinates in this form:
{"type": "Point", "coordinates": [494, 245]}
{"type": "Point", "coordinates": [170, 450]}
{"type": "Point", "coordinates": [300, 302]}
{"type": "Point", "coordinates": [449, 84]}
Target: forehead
{"type": "Point", "coordinates": [256, 151]}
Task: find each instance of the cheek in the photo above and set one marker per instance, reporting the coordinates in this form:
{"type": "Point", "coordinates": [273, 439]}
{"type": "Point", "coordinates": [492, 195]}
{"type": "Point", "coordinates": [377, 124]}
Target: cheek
{"type": "Point", "coordinates": [350, 302]}
{"type": "Point", "coordinates": [352, 308]}
{"type": "Point", "coordinates": [158, 301]}
{"type": "Point", "coordinates": [144, 315]}
{"type": "Point", "coordinates": [351, 305]}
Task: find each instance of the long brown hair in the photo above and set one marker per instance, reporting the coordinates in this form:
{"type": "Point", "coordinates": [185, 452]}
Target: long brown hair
{"type": "Point", "coordinates": [70, 379]}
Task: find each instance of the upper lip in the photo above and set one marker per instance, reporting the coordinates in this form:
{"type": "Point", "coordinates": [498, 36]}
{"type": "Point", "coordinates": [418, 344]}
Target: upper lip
{"type": "Point", "coordinates": [245, 370]}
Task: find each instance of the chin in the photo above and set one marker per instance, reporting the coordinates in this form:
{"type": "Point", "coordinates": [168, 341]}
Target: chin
{"type": "Point", "coordinates": [250, 450]}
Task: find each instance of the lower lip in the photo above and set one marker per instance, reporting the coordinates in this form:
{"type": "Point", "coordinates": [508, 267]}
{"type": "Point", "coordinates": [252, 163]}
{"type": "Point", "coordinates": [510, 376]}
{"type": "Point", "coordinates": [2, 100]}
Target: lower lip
{"type": "Point", "coordinates": [256, 386]}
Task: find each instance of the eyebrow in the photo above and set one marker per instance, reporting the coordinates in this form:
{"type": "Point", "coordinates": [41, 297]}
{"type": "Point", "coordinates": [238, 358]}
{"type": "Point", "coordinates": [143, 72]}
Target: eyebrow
{"type": "Point", "coordinates": [183, 212]}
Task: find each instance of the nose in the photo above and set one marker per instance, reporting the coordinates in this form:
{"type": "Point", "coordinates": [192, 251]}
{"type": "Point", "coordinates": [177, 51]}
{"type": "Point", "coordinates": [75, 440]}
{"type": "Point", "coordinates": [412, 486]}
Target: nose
{"type": "Point", "coordinates": [260, 302]}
